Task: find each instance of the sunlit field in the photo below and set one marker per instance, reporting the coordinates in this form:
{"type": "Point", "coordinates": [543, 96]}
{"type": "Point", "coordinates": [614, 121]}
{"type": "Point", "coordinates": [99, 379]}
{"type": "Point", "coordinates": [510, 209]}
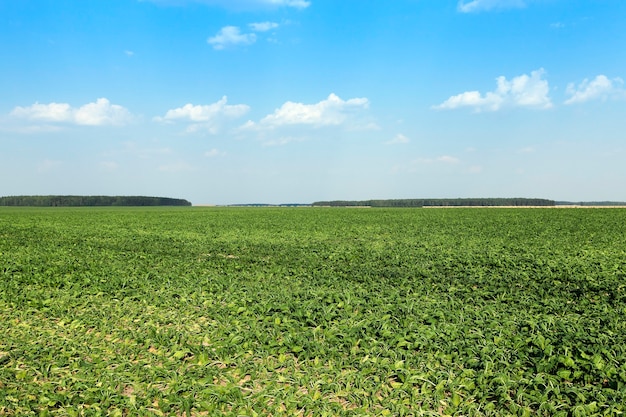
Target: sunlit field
{"type": "Point", "coordinates": [312, 311]}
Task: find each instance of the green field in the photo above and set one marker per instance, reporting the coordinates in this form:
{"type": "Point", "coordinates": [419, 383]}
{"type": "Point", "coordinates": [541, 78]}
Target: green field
{"type": "Point", "coordinates": [312, 311]}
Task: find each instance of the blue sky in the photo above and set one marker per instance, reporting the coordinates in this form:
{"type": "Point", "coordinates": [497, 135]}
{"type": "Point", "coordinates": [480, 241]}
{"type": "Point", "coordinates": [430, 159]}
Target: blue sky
{"type": "Point", "coordinates": [279, 101]}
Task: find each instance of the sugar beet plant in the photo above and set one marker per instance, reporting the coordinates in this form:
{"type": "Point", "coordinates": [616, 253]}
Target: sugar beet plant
{"type": "Point", "coordinates": [312, 312]}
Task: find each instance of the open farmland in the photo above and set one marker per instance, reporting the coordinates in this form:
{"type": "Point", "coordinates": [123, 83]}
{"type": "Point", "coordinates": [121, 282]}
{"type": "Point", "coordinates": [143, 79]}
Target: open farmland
{"type": "Point", "coordinates": [312, 311]}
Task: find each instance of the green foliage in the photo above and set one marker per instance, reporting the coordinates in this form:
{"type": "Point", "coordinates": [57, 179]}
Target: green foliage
{"type": "Point", "coordinates": [371, 203]}
{"type": "Point", "coordinates": [89, 201]}
{"type": "Point", "coordinates": [591, 203]}
{"type": "Point", "coordinates": [312, 311]}
{"type": "Point", "coordinates": [441, 202]}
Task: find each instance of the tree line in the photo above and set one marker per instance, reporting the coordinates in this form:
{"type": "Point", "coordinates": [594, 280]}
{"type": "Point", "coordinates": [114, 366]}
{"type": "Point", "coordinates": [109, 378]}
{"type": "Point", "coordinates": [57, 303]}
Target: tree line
{"type": "Point", "coordinates": [89, 201]}
{"type": "Point", "coordinates": [440, 202]}
{"type": "Point", "coordinates": [591, 203]}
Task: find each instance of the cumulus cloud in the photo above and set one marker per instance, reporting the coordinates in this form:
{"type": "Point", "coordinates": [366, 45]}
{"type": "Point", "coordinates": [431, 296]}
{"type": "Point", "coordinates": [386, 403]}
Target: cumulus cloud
{"type": "Point", "coordinates": [263, 26]}
{"type": "Point", "coordinates": [52, 112]}
{"type": "Point", "coordinates": [207, 112]}
{"type": "Point", "coordinates": [281, 141]}
{"type": "Point", "coordinates": [330, 112]}
{"type": "Point", "coordinates": [102, 112]}
{"type": "Point", "coordinates": [474, 6]}
{"type": "Point", "coordinates": [523, 91]}
{"type": "Point", "coordinates": [298, 4]}
{"type": "Point", "coordinates": [99, 113]}
{"type": "Point", "coordinates": [600, 88]}
{"type": "Point", "coordinates": [239, 4]}
{"type": "Point", "coordinates": [231, 36]}
{"type": "Point", "coordinates": [205, 117]}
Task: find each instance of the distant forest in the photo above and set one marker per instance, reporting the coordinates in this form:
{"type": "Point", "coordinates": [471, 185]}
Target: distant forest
{"type": "Point", "coordinates": [441, 202]}
{"type": "Point", "coordinates": [591, 203]}
{"type": "Point", "coordinates": [89, 201]}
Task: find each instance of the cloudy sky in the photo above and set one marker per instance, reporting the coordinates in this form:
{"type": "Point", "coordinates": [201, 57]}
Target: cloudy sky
{"type": "Point", "coordinates": [279, 101]}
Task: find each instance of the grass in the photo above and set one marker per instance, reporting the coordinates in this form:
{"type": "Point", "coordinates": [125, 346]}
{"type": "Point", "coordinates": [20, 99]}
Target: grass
{"type": "Point", "coordinates": [312, 311]}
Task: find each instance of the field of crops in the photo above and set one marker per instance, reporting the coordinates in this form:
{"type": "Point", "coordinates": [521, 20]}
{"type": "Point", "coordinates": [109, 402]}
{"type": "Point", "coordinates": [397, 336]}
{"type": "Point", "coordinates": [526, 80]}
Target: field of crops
{"type": "Point", "coordinates": [312, 311]}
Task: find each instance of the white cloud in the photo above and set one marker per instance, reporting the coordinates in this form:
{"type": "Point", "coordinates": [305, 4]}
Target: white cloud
{"type": "Point", "coordinates": [208, 112]}
{"type": "Point", "coordinates": [299, 4]}
{"type": "Point", "coordinates": [205, 117]}
{"type": "Point", "coordinates": [231, 36]}
{"type": "Point", "coordinates": [239, 4]}
{"type": "Point", "coordinates": [330, 112]}
{"type": "Point", "coordinates": [263, 26]}
{"type": "Point", "coordinates": [472, 6]}
{"type": "Point", "coordinates": [398, 139]}
{"type": "Point", "coordinates": [472, 99]}
{"type": "Point", "coordinates": [281, 141]}
{"type": "Point", "coordinates": [99, 113]}
{"type": "Point", "coordinates": [600, 88]}
{"type": "Point", "coordinates": [522, 91]}
{"type": "Point", "coordinates": [52, 112]}
{"type": "Point", "coordinates": [102, 112]}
